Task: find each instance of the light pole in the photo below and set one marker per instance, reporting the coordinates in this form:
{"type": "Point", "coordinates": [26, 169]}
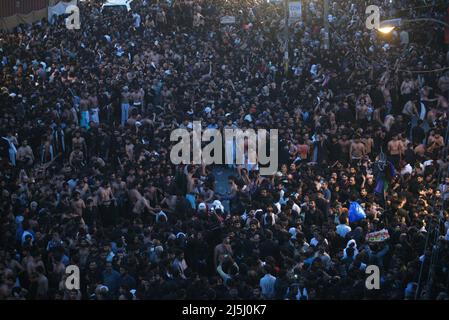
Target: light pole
{"type": "Point", "coordinates": [326, 24]}
{"type": "Point", "coordinates": [286, 35]}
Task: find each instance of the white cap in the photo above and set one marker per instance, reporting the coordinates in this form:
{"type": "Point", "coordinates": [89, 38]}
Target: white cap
{"type": "Point", "coordinates": [217, 204]}
{"type": "Point", "coordinates": [172, 237]}
{"type": "Point", "coordinates": [202, 206]}
{"type": "Point", "coordinates": [103, 288]}
{"type": "Point", "coordinates": [159, 249]}
{"type": "Point", "coordinates": [180, 234]}
{"type": "Point", "coordinates": [292, 231]}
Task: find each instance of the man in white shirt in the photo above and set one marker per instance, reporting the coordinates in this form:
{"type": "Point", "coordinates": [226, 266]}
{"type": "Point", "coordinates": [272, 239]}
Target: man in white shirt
{"type": "Point", "coordinates": [342, 229]}
{"type": "Point", "coordinates": [137, 20]}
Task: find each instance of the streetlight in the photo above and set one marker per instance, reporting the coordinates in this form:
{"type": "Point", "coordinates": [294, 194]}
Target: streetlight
{"type": "Point", "coordinates": [286, 16]}
{"type": "Point", "coordinates": [387, 26]}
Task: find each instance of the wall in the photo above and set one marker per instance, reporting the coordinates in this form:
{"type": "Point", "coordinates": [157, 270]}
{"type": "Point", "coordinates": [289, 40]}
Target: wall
{"type": "Point", "coordinates": [15, 12]}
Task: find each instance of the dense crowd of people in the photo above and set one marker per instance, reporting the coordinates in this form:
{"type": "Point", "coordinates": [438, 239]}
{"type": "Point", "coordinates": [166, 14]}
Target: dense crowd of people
{"type": "Point", "coordinates": [86, 177]}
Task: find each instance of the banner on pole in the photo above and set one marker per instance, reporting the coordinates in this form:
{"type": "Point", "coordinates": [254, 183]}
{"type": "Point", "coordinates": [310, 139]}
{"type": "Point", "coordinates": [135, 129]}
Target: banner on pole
{"type": "Point", "coordinates": [227, 20]}
{"type": "Point", "coordinates": [294, 9]}
{"type": "Point", "coordinates": [378, 236]}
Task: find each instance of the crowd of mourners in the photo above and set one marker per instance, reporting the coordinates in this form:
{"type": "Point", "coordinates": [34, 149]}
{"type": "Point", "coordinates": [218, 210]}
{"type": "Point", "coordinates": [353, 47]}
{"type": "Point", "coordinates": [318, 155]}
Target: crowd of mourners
{"type": "Point", "coordinates": [86, 177]}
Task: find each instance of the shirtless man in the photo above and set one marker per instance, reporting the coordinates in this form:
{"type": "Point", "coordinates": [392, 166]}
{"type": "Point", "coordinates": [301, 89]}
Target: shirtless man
{"type": "Point", "coordinates": [362, 111]}
{"type": "Point", "coordinates": [190, 185]}
{"type": "Point", "coordinates": [137, 97]}
{"type": "Point", "coordinates": [395, 150]}
{"type": "Point", "coordinates": [125, 105]}
{"type": "Point", "coordinates": [129, 149]}
{"type": "Point", "coordinates": [78, 205]}
{"type": "Point", "coordinates": [207, 194]}
{"type": "Point", "coordinates": [407, 87]}
{"type": "Point", "coordinates": [170, 200]}
{"type": "Point", "coordinates": [131, 177]}
{"type": "Point", "coordinates": [25, 154]}
{"type": "Point", "coordinates": [105, 194]}
{"type": "Point", "coordinates": [420, 152]}
{"type": "Point", "coordinates": [403, 141]}
{"type": "Point", "coordinates": [133, 118]}
{"type": "Point", "coordinates": [141, 205]}
{"type": "Point", "coordinates": [411, 109]}
{"type": "Point", "coordinates": [42, 283]}
{"type": "Point", "coordinates": [79, 142]}
{"type": "Point", "coordinates": [134, 194]}
{"type": "Point", "coordinates": [357, 150]}
{"type": "Point", "coordinates": [368, 141]}
{"type": "Point", "coordinates": [118, 188]}
{"type": "Point", "coordinates": [387, 96]}
{"type": "Point", "coordinates": [105, 199]}
{"type": "Point", "coordinates": [76, 158]}
{"type": "Point", "coordinates": [345, 145]}
{"type": "Point", "coordinates": [83, 187]}
{"type": "Point", "coordinates": [31, 263]}
{"type": "Point", "coordinates": [222, 250]}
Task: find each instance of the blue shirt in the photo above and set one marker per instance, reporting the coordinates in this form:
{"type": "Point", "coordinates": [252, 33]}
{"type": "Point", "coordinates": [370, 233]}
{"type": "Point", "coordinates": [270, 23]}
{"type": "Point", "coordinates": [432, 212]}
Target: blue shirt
{"type": "Point", "coordinates": [111, 280]}
{"type": "Point", "coordinates": [267, 285]}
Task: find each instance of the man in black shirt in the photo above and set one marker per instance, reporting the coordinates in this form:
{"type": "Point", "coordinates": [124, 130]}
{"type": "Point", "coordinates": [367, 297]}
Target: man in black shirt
{"type": "Point", "coordinates": [418, 133]}
{"type": "Point", "coordinates": [345, 114]}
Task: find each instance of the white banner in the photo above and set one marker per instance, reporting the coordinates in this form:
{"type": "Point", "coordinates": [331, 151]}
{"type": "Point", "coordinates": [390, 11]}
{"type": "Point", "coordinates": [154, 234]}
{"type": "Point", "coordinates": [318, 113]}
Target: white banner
{"type": "Point", "coordinates": [59, 9]}
{"type": "Point", "coordinates": [227, 20]}
{"type": "Point", "coordinates": [114, 3]}
{"type": "Point", "coordinates": [294, 8]}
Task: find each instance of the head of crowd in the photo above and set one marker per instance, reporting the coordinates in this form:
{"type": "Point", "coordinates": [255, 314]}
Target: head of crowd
{"type": "Point", "coordinates": [86, 177]}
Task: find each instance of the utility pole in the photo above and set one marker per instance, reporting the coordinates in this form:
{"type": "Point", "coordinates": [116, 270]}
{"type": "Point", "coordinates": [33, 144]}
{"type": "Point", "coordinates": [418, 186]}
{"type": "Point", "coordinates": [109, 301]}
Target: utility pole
{"type": "Point", "coordinates": [326, 24]}
{"type": "Point", "coordinates": [286, 43]}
